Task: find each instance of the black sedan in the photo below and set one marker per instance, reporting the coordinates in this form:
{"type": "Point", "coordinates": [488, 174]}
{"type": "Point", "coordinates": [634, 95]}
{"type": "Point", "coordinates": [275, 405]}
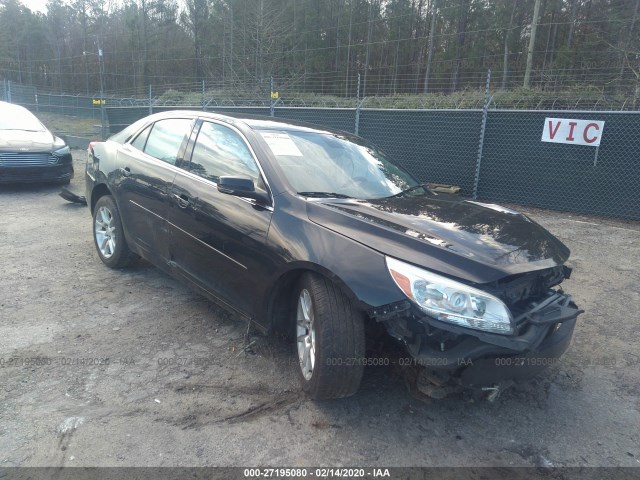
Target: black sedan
{"type": "Point", "coordinates": [28, 151]}
{"type": "Point", "coordinates": [318, 233]}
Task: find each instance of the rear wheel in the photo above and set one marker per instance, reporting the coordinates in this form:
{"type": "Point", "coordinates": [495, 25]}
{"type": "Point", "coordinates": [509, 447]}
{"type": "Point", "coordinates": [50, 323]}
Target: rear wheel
{"type": "Point", "coordinates": [108, 235]}
{"type": "Point", "coordinates": [330, 339]}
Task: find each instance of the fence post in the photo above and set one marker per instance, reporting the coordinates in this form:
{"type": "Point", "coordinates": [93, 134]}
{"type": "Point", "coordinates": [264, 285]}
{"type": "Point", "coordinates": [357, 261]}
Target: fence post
{"type": "Point", "coordinates": [9, 91]}
{"type": "Point", "coordinates": [103, 117]}
{"type": "Point", "coordinates": [272, 101]}
{"type": "Point", "coordinates": [485, 111]}
{"type": "Point", "coordinates": [358, 103]}
{"type": "Point", "coordinates": [203, 104]}
{"type": "Point", "coordinates": [4, 90]}
{"type": "Point", "coordinates": [150, 101]}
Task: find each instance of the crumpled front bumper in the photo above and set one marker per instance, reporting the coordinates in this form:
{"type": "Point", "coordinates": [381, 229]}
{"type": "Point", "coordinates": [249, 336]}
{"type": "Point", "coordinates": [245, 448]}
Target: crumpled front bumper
{"type": "Point", "coordinates": [483, 359]}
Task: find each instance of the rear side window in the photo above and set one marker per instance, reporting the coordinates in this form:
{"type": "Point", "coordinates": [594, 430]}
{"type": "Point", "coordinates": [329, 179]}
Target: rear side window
{"type": "Point", "coordinates": [141, 139]}
{"type": "Point", "coordinates": [166, 137]}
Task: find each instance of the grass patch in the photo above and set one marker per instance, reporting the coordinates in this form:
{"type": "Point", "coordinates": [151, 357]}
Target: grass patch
{"type": "Point", "coordinates": [69, 125]}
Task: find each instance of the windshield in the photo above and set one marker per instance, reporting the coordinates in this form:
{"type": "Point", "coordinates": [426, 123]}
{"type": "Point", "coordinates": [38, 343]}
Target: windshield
{"type": "Point", "coordinates": [324, 164]}
{"type": "Point", "coordinates": [16, 118]}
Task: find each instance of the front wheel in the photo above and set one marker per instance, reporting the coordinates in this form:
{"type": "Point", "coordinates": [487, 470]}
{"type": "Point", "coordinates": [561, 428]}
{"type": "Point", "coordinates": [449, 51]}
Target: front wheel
{"type": "Point", "coordinates": [108, 234]}
{"type": "Point", "coordinates": [330, 339]}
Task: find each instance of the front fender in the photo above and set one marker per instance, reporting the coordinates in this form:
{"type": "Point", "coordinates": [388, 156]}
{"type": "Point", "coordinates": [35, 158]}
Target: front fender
{"type": "Point", "coordinates": [301, 245]}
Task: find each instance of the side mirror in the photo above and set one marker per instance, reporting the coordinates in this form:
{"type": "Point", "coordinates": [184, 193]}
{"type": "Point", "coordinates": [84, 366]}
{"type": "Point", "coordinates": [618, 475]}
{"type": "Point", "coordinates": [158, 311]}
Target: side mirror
{"type": "Point", "coordinates": [242, 187]}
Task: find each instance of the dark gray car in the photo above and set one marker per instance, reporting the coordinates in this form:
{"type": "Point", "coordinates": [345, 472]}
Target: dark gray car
{"type": "Point", "coordinates": [319, 234]}
{"type": "Point", "coordinates": [29, 152]}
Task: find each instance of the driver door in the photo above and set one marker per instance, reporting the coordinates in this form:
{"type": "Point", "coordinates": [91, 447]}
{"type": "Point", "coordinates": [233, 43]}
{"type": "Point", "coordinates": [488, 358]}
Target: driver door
{"type": "Point", "coordinates": [218, 241]}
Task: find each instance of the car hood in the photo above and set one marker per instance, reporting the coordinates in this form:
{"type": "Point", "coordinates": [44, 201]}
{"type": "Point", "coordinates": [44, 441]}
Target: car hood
{"type": "Point", "coordinates": [26, 141]}
{"type": "Point", "coordinates": [469, 240]}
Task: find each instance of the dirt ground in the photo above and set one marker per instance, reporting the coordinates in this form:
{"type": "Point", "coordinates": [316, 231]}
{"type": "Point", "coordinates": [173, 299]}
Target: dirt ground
{"type": "Point", "coordinates": [130, 368]}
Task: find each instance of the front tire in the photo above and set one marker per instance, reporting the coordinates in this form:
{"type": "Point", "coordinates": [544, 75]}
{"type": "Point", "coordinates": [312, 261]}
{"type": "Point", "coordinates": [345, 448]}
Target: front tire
{"type": "Point", "coordinates": [330, 339]}
{"type": "Point", "coordinates": [108, 234]}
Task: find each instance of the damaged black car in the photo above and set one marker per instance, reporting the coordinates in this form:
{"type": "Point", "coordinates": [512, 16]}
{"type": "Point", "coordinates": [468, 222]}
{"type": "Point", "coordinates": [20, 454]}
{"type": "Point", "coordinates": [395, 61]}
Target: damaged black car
{"type": "Point", "coordinates": [318, 233]}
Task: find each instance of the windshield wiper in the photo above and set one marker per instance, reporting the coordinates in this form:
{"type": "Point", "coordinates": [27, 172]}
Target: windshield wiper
{"type": "Point", "coordinates": [411, 189]}
{"type": "Point", "coordinates": [324, 194]}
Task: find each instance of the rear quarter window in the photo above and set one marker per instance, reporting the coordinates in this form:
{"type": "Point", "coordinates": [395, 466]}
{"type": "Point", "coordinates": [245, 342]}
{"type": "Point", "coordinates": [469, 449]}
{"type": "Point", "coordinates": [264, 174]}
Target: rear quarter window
{"type": "Point", "coordinates": [166, 138]}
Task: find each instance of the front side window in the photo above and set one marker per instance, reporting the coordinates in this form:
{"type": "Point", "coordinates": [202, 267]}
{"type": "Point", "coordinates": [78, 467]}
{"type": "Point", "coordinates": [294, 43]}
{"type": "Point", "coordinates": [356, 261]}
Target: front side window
{"type": "Point", "coordinates": [166, 137]}
{"type": "Point", "coordinates": [219, 151]}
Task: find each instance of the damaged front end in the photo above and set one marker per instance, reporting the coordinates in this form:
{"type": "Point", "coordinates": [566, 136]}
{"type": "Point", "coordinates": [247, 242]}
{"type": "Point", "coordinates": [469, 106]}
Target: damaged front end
{"type": "Point", "coordinates": [460, 335]}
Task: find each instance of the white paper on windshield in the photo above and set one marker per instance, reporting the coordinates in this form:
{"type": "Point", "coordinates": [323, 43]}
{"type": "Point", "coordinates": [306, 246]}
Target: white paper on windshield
{"type": "Point", "coordinates": [281, 144]}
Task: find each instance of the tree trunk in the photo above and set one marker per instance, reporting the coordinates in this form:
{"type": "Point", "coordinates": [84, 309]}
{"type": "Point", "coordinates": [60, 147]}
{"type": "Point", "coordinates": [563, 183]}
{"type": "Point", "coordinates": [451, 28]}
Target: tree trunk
{"type": "Point", "coordinates": [346, 81]}
{"type": "Point", "coordinates": [145, 44]}
{"type": "Point", "coordinates": [572, 23]}
{"type": "Point", "coordinates": [460, 39]}
{"type": "Point", "coordinates": [366, 59]}
{"type": "Point", "coordinates": [629, 37]}
{"type": "Point", "coordinates": [505, 58]}
{"type": "Point", "coordinates": [427, 74]}
{"type": "Point", "coordinates": [532, 42]}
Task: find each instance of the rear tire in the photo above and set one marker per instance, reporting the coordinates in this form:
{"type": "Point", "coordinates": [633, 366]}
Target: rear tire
{"type": "Point", "coordinates": [330, 339]}
{"type": "Point", "coordinates": [108, 235]}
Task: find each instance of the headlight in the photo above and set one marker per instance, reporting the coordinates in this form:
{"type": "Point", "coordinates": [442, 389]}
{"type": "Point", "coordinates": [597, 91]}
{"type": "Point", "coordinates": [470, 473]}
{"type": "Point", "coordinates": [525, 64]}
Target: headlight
{"type": "Point", "coordinates": [450, 301]}
{"type": "Point", "coordinates": [62, 151]}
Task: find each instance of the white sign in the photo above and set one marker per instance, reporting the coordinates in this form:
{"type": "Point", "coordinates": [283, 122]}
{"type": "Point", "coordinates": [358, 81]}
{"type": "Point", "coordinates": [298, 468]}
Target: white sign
{"type": "Point", "coordinates": [281, 144]}
{"type": "Point", "coordinates": [576, 132]}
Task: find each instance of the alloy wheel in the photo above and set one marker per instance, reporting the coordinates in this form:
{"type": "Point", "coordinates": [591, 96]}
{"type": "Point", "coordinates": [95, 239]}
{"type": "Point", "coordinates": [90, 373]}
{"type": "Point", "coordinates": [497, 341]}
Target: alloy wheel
{"type": "Point", "coordinates": [104, 231]}
{"type": "Point", "coordinates": [306, 334]}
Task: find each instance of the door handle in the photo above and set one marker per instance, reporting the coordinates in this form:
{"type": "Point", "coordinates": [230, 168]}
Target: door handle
{"type": "Point", "coordinates": [126, 171]}
{"type": "Point", "coordinates": [182, 200]}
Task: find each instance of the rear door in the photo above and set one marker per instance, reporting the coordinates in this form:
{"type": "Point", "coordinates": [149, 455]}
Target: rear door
{"type": "Point", "coordinates": [218, 240]}
{"type": "Point", "coordinates": [148, 165]}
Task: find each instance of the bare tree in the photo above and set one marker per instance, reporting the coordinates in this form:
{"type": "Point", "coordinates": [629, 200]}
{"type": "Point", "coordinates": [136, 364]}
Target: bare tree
{"type": "Point", "coordinates": [432, 31]}
{"type": "Point", "coordinates": [505, 58]}
{"type": "Point", "coordinates": [532, 42]}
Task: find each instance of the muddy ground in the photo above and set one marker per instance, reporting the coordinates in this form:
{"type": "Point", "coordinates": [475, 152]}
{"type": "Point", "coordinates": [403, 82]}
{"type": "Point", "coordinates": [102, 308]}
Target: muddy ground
{"type": "Point", "coordinates": [130, 368]}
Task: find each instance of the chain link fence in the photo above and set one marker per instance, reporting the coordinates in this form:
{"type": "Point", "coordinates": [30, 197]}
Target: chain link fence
{"type": "Point", "coordinates": [70, 105]}
{"type": "Point", "coordinates": [488, 145]}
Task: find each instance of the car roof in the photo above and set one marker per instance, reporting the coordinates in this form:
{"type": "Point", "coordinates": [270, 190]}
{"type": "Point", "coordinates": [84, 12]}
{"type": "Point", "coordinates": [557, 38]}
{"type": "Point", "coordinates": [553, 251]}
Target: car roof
{"type": "Point", "coordinates": [6, 106]}
{"type": "Point", "coordinates": [255, 122]}
{"type": "Point", "coordinates": [239, 120]}
{"type": "Point", "coordinates": [259, 122]}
